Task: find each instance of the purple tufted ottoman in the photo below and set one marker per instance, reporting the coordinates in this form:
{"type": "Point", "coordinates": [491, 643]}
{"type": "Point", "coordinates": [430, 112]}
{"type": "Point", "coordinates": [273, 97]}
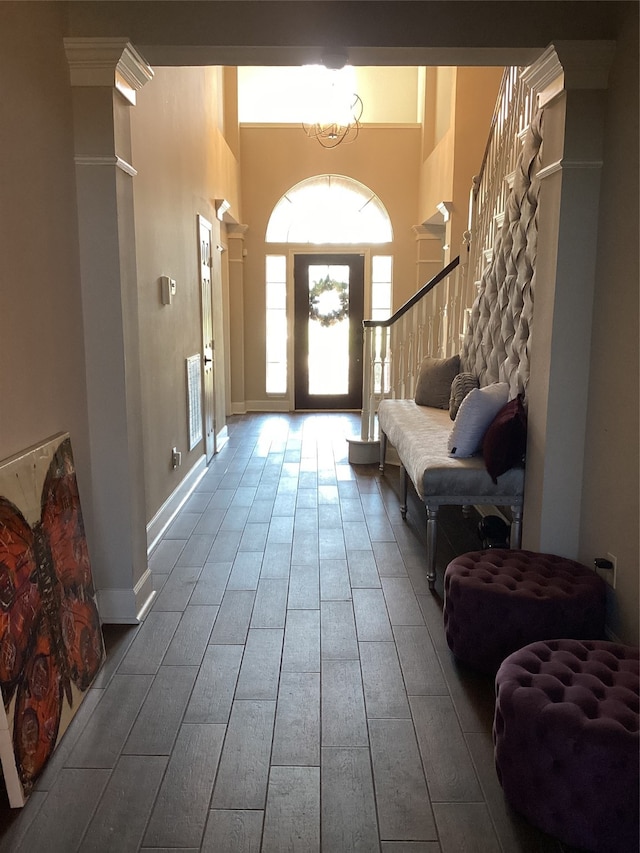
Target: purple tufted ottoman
{"type": "Point", "coordinates": [567, 743]}
{"type": "Point", "coordinates": [498, 600]}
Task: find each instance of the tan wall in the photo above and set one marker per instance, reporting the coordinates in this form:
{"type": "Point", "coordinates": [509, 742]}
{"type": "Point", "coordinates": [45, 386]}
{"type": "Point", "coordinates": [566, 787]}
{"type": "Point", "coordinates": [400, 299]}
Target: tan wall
{"type": "Point", "coordinates": [476, 91]}
{"type": "Point", "coordinates": [42, 379]}
{"type": "Point", "coordinates": [183, 165]}
{"type": "Point", "coordinates": [610, 511]}
{"type": "Point", "coordinates": [273, 160]}
{"type": "Point", "coordinates": [436, 177]}
{"type": "Point", "coordinates": [454, 142]}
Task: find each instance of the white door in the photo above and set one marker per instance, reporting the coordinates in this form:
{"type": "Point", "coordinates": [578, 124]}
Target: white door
{"type": "Point", "coordinates": [208, 346]}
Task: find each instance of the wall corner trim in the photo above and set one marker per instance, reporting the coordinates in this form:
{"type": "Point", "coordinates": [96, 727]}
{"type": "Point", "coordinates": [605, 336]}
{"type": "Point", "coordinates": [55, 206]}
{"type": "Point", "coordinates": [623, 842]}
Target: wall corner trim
{"type": "Point", "coordinates": [545, 76]}
{"type": "Point", "coordinates": [563, 165]}
{"type": "Point", "coordinates": [110, 160]}
{"type": "Point", "coordinates": [144, 593]}
{"type": "Point", "coordinates": [570, 65]}
{"type": "Point", "coordinates": [117, 606]}
{"type": "Point", "coordinates": [107, 62]}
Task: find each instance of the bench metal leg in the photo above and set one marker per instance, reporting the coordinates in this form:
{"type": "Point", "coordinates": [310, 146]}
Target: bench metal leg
{"type": "Point", "coordinates": [403, 491]}
{"type": "Point", "coordinates": [432, 518]}
{"type": "Point", "coordinates": [383, 449]}
{"type": "Point", "coordinates": [516, 527]}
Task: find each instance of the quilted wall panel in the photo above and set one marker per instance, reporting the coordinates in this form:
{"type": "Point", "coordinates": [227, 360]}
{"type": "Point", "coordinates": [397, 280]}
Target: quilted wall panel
{"type": "Point", "coordinates": [496, 345]}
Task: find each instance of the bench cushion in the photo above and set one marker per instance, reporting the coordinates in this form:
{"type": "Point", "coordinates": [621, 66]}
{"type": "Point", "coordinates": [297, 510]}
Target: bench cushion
{"type": "Point", "coordinates": [420, 434]}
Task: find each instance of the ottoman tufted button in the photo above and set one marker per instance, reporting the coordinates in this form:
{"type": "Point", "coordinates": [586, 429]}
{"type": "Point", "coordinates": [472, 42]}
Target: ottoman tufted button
{"type": "Point", "coordinates": [566, 678]}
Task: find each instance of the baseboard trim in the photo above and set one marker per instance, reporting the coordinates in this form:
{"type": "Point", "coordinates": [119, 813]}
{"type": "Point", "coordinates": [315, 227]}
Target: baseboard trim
{"type": "Point", "coordinates": [145, 593]}
{"type": "Point", "coordinates": [167, 512]}
{"type": "Point", "coordinates": [268, 405]}
{"type": "Point", "coordinates": [222, 438]}
{"type": "Point", "coordinates": [117, 606]}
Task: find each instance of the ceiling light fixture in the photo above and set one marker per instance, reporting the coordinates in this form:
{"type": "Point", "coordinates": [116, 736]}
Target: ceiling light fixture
{"type": "Point", "coordinates": [333, 108]}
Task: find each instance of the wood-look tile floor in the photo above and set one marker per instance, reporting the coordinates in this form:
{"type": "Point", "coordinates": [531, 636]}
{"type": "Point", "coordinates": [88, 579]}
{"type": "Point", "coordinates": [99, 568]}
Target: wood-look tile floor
{"type": "Point", "coordinates": [291, 688]}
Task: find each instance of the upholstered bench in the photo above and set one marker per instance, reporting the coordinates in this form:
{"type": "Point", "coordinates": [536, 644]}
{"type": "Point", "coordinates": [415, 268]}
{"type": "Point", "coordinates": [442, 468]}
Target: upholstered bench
{"type": "Point", "coordinates": [567, 743]}
{"type": "Point", "coordinates": [498, 600]}
{"type": "Point", "coordinates": [420, 436]}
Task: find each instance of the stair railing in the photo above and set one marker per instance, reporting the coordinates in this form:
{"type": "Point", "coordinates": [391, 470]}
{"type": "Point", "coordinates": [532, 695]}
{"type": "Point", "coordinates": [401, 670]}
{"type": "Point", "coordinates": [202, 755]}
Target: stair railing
{"type": "Point", "coordinates": [511, 118]}
{"type": "Point", "coordinates": [434, 321]}
{"type": "Point", "coordinates": [393, 349]}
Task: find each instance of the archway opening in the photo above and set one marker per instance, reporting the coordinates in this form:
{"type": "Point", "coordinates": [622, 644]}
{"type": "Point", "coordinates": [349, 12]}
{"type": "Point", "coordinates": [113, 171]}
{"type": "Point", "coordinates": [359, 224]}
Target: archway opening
{"type": "Point", "coordinates": [329, 209]}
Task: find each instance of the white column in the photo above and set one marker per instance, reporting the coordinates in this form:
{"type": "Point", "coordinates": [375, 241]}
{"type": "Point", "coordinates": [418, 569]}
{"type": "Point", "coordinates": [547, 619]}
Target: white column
{"type": "Point", "coordinates": [105, 75]}
{"type": "Point", "coordinates": [571, 80]}
{"type": "Point", "coordinates": [235, 235]}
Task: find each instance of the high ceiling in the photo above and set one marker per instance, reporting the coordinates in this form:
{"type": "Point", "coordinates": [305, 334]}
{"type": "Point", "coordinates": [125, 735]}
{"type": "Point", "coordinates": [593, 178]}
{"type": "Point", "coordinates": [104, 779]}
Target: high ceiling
{"type": "Point", "coordinates": [390, 95]}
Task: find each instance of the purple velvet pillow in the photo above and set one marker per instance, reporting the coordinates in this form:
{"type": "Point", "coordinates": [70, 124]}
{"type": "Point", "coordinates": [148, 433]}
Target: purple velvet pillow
{"type": "Point", "coordinates": [505, 442]}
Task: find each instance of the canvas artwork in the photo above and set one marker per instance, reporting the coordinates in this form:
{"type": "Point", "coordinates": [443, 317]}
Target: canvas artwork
{"type": "Point", "coordinates": [51, 645]}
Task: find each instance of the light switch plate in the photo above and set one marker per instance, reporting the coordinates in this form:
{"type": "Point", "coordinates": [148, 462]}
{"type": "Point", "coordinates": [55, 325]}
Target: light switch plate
{"type": "Point", "coordinates": [167, 289]}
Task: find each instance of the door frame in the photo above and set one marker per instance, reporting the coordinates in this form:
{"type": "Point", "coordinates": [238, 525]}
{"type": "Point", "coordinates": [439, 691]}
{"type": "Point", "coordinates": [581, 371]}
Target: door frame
{"type": "Point", "coordinates": [208, 343]}
{"type": "Point", "coordinates": [331, 255]}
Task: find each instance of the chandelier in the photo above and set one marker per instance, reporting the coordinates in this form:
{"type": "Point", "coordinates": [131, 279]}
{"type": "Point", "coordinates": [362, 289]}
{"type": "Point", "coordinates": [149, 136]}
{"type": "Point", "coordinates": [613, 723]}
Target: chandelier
{"type": "Point", "coordinates": [334, 110]}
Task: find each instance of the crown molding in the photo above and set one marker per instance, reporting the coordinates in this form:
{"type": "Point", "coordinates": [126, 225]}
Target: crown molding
{"type": "Point", "coordinates": [428, 231]}
{"type": "Point", "coordinates": [108, 160]}
{"type": "Point", "coordinates": [236, 230]}
{"type": "Point", "coordinates": [545, 74]}
{"type": "Point", "coordinates": [444, 209]}
{"type": "Point", "coordinates": [107, 62]}
{"type": "Point", "coordinates": [586, 64]}
{"type": "Point", "coordinates": [570, 65]}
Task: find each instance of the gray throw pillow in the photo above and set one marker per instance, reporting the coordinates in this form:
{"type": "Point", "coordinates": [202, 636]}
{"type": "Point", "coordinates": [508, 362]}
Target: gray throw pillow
{"type": "Point", "coordinates": [433, 387]}
{"type": "Point", "coordinates": [460, 387]}
{"type": "Point", "coordinates": [477, 410]}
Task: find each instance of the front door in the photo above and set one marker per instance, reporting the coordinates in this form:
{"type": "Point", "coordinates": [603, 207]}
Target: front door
{"type": "Point", "coordinates": [328, 311]}
{"type": "Point", "coordinates": [208, 367]}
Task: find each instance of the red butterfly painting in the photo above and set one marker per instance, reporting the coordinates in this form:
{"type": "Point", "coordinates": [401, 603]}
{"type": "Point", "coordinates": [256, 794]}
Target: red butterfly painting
{"type": "Point", "coordinates": [50, 635]}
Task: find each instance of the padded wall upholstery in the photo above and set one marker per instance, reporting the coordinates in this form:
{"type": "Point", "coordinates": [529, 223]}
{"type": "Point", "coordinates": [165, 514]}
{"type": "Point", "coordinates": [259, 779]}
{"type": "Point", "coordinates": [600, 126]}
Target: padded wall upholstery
{"type": "Point", "coordinates": [496, 346]}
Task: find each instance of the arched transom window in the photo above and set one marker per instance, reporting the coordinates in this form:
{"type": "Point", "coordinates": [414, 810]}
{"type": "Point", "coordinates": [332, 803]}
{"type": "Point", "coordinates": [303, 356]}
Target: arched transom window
{"type": "Point", "coordinates": [329, 209]}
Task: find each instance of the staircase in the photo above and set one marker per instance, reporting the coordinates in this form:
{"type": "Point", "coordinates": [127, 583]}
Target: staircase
{"type": "Point", "coordinates": [437, 320]}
